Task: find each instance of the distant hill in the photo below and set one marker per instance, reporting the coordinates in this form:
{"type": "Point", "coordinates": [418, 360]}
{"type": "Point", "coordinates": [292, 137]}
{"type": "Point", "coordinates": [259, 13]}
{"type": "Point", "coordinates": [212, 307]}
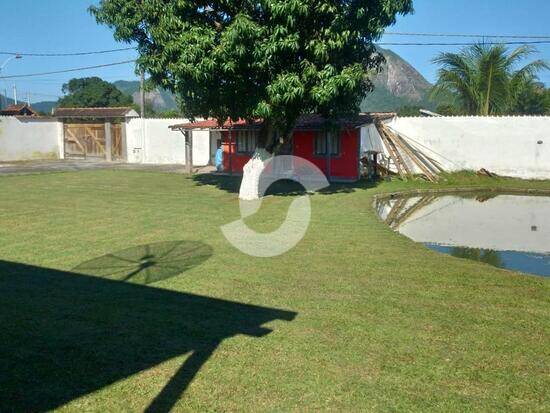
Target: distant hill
{"type": "Point", "coordinates": [44, 106]}
{"type": "Point", "coordinates": [398, 85]}
{"type": "Point", "coordinates": [160, 99]}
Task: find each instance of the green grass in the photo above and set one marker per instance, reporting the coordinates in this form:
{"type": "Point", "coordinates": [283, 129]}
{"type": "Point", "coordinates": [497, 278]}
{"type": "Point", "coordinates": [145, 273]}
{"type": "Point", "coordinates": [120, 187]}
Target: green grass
{"type": "Point", "coordinates": [380, 323]}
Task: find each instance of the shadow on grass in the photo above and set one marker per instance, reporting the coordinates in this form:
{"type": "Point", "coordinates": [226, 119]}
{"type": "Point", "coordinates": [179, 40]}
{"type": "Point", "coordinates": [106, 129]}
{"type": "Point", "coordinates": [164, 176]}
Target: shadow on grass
{"type": "Point", "coordinates": [65, 335]}
{"type": "Point", "coordinates": [283, 187]}
{"type": "Point", "coordinates": [148, 263]}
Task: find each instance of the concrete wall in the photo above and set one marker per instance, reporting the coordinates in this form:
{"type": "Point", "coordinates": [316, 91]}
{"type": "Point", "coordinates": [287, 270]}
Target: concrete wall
{"type": "Point", "coordinates": [511, 146]}
{"type": "Point", "coordinates": [151, 141]}
{"type": "Point", "coordinates": [25, 139]}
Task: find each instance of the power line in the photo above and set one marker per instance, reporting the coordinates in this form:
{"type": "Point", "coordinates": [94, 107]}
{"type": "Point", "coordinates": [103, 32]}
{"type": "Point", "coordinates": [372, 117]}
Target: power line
{"type": "Point", "coordinates": [459, 44]}
{"type": "Point", "coordinates": [494, 36]}
{"type": "Point", "coordinates": [68, 70]}
{"type": "Point", "coordinates": [67, 54]}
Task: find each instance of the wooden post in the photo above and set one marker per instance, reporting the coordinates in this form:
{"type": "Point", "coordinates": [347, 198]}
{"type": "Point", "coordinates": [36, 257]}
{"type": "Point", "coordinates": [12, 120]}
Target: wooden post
{"type": "Point", "coordinates": [230, 151]}
{"type": "Point", "coordinates": [123, 145]}
{"type": "Point", "coordinates": [328, 150]}
{"type": "Point", "coordinates": [188, 155]}
{"type": "Point", "coordinates": [108, 142]}
{"type": "Point", "coordinates": [191, 150]}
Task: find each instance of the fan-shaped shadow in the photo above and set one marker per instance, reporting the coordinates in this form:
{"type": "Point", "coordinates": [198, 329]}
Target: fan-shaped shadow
{"type": "Point", "coordinates": [149, 263]}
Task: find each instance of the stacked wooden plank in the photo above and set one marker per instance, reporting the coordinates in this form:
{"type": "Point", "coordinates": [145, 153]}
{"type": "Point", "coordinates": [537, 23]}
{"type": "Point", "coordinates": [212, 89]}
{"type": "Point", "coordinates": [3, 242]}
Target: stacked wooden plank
{"type": "Point", "coordinates": [405, 157]}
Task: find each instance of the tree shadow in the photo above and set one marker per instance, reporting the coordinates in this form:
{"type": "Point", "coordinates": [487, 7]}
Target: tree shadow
{"type": "Point", "coordinates": [228, 183]}
{"type": "Point", "coordinates": [65, 335]}
{"type": "Point", "coordinates": [283, 187]}
{"type": "Point", "coordinates": [145, 264]}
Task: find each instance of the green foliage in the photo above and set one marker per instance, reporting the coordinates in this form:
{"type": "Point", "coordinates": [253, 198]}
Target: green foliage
{"type": "Point", "coordinates": [409, 110]}
{"type": "Point", "coordinates": [534, 100]}
{"type": "Point", "coordinates": [92, 92]}
{"type": "Point", "coordinates": [486, 79]}
{"type": "Point", "coordinates": [271, 59]}
{"type": "Point", "coordinates": [171, 113]}
{"type": "Point", "coordinates": [447, 109]}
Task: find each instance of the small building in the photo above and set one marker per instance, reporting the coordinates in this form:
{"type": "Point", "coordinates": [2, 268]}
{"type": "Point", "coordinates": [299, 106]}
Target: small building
{"type": "Point", "coordinates": [95, 132]}
{"type": "Point", "coordinates": [18, 110]}
{"type": "Point", "coordinates": [337, 153]}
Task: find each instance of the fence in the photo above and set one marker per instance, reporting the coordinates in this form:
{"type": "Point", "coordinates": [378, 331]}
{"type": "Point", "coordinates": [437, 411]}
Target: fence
{"type": "Point", "coordinates": [510, 146]}
{"type": "Point", "coordinates": [25, 139]}
{"type": "Point", "coordinates": [151, 141]}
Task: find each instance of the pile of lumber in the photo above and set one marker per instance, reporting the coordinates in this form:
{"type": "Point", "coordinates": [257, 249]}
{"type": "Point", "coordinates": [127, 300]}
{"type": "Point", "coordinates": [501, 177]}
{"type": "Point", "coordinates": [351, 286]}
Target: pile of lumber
{"type": "Point", "coordinates": [405, 157]}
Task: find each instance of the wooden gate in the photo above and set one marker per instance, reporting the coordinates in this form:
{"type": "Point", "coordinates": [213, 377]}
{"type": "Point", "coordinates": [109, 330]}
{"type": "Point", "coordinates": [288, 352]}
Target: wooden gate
{"type": "Point", "coordinates": [116, 141]}
{"type": "Point", "coordinates": [84, 139]}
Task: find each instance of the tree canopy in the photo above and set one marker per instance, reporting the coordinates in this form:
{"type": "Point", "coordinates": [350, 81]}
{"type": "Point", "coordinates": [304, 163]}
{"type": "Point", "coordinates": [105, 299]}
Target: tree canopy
{"type": "Point", "coordinates": [92, 92]}
{"type": "Point", "coordinates": [269, 59]}
{"type": "Point", "coordinates": [488, 79]}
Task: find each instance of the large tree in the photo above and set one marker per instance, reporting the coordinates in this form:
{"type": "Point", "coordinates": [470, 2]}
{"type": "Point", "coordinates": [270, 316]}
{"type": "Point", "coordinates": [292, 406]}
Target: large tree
{"type": "Point", "coordinates": [268, 59]}
{"type": "Point", "coordinates": [90, 92]}
{"type": "Point", "coordinates": [488, 79]}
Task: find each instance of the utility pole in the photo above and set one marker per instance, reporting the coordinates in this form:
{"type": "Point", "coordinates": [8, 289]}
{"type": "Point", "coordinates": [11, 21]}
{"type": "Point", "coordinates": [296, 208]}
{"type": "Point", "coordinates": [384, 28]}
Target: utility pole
{"type": "Point", "coordinates": [142, 92]}
{"type": "Point", "coordinates": [28, 99]}
{"type": "Point", "coordinates": [14, 94]}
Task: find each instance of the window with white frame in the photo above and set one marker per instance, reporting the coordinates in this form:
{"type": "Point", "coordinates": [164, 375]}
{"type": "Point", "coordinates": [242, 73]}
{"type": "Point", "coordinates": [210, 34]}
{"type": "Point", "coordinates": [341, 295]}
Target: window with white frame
{"type": "Point", "coordinates": [323, 138]}
{"type": "Point", "coordinates": [246, 141]}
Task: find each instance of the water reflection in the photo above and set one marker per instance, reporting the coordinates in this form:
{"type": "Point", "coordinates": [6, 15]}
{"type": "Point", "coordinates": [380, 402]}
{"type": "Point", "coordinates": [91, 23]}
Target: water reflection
{"type": "Point", "coordinates": [507, 231]}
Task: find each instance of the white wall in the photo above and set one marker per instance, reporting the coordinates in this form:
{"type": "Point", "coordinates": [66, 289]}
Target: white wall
{"type": "Point", "coordinates": [25, 139]}
{"type": "Point", "coordinates": [505, 145]}
{"type": "Point", "coordinates": [152, 141]}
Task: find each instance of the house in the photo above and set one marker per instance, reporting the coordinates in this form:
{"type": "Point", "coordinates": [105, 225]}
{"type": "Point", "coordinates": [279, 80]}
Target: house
{"type": "Point", "coordinates": [18, 110]}
{"type": "Point", "coordinates": [337, 153]}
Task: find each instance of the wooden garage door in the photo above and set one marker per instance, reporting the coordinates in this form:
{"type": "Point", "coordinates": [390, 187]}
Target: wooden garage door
{"type": "Point", "coordinates": [84, 139]}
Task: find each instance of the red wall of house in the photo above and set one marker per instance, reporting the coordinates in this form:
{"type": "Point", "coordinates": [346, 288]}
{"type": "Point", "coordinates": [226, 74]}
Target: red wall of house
{"type": "Point", "coordinates": [238, 160]}
{"type": "Point", "coordinates": [342, 167]}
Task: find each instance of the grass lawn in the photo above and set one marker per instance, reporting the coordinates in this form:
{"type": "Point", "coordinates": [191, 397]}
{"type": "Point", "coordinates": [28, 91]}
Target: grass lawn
{"type": "Point", "coordinates": [355, 317]}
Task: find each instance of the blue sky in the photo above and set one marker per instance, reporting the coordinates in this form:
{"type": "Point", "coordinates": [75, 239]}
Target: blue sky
{"type": "Point", "coordinates": [66, 26]}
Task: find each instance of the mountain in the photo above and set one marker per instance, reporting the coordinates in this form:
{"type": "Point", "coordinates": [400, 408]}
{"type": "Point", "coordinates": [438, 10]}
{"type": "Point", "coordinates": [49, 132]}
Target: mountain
{"type": "Point", "coordinates": [398, 84]}
{"type": "Point", "coordinates": [45, 106]}
{"type": "Point", "coordinates": [160, 99]}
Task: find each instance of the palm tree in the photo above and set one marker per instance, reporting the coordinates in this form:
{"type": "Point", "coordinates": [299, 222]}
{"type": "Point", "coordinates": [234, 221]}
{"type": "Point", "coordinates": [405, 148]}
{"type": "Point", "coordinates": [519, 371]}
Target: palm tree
{"type": "Point", "coordinates": [485, 79]}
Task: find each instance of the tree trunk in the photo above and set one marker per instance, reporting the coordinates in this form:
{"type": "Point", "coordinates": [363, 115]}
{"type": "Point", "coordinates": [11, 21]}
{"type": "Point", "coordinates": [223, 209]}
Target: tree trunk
{"type": "Point", "coordinates": [250, 185]}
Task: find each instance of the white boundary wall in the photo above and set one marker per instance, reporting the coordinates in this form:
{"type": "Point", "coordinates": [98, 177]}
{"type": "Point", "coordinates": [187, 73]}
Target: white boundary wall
{"type": "Point", "coordinates": [510, 146]}
{"type": "Point", "coordinates": [25, 139]}
{"type": "Point", "coordinates": [152, 141]}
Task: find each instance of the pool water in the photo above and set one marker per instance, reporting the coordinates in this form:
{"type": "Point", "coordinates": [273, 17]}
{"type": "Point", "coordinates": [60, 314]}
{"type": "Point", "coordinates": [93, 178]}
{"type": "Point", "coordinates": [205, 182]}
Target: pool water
{"type": "Point", "coordinates": [504, 230]}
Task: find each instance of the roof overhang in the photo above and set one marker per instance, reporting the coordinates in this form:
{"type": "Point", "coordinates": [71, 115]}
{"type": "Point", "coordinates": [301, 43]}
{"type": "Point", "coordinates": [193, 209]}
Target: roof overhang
{"type": "Point", "coordinates": [304, 123]}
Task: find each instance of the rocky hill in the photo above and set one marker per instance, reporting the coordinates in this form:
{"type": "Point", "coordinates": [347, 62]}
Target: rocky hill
{"type": "Point", "coordinates": [160, 99]}
{"type": "Point", "coordinates": [397, 85]}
